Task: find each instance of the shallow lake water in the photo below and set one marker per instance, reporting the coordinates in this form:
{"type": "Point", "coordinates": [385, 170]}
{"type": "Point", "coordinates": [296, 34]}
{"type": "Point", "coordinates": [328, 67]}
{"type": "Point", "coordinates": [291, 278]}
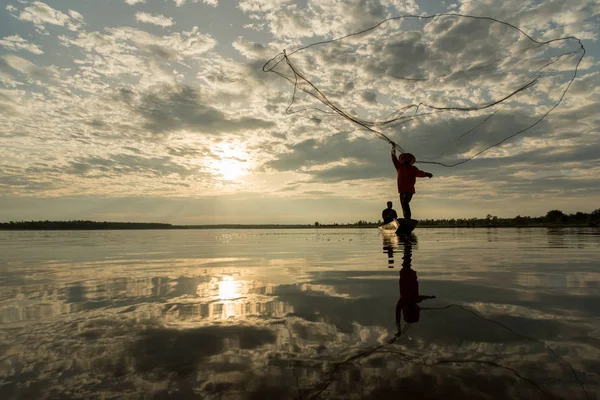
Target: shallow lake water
{"type": "Point", "coordinates": [300, 314]}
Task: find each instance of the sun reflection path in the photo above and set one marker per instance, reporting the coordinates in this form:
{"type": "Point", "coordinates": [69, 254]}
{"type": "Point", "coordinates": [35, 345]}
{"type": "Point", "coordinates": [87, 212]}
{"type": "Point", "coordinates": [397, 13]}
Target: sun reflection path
{"type": "Point", "coordinates": [226, 296]}
{"type": "Point", "coordinates": [228, 288]}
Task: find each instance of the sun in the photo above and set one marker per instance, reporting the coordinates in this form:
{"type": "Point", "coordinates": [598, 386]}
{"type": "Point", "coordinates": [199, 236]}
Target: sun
{"type": "Point", "coordinates": [231, 163]}
{"type": "Point", "coordinates": [229, 170]}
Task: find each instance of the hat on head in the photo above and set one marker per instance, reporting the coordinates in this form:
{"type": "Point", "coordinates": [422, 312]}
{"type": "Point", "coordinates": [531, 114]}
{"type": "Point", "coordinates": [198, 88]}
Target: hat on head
{"type": "Point", "coordinates": [407, 157]}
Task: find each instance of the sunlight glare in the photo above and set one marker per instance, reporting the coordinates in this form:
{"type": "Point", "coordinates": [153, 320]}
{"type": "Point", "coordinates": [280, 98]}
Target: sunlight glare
{"type": "Point", "coordinates": [227, 288]}
{"type": "Point", "coordinates": [232, 162]}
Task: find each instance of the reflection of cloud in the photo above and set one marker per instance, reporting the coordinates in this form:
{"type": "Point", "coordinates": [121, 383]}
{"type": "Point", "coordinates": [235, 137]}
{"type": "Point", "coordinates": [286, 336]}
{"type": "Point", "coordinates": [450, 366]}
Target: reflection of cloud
{"type": "Point", "coordinates": [226, 297]}
{"type": "Point", "coordinates": [238, 309]}
{"type": "Point", "coordinates": [165, 351]}
{"type": "Point", "coordinates": [122, 349]}
{"type": "Point", "coordinates": [206, 328]}
{"type": "Point", "coordinates": [328, 290]}
{"type": "Point", "coordinates": [227, 288]}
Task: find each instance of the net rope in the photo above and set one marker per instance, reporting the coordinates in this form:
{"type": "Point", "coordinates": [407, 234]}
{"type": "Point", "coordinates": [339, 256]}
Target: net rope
{"type": "Point", "coordinates": [284, 66]}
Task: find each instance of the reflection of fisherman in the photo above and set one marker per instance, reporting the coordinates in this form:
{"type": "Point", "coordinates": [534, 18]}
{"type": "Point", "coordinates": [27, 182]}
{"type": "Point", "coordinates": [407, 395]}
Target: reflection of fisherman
{"type": "Point", "coordinates": [409, 290]}
{"type": "Point", "coordinates": [409, 297]}
{"type": "Point", "coordinates": [389, 214]}
{"type": "Point", "coordinates": [406, 177]}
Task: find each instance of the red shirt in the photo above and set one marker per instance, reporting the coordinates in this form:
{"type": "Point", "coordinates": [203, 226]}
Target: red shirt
{"type": "Point", "coordinates": [406, 176]}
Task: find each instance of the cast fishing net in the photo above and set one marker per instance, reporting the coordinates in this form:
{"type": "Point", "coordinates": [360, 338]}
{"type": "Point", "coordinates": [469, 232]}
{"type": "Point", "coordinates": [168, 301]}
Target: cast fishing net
{"type": "Point", "coordinates": [445, 87]}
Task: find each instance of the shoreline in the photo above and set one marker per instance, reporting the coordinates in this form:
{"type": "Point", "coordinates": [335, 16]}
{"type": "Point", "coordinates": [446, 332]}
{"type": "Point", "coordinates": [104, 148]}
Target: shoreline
{"type": "Point", "coordinates": [273, 226]}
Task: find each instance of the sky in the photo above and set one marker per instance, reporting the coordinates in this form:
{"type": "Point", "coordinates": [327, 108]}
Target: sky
{"type": "Point", "coordinates": [160, 111]}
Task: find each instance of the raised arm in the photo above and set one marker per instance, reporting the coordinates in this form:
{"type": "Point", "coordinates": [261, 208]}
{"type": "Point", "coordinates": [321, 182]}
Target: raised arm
{"type": "Point", "coordinates": [394, 158]}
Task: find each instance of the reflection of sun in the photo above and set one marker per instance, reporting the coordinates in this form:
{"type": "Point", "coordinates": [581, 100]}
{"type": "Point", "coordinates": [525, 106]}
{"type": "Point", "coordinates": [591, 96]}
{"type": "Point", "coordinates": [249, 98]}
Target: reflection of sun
{"type": "Point", "coordinates": [227, 288]}
{"type": "Point", "coordinates": [231, 163]}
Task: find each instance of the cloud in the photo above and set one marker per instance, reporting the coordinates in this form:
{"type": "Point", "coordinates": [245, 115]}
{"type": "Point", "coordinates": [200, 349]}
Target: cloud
{"type": "Point", "coordinates": [213, 3]}
{"type": "Point", "coordinates": [438, 67]}
{"type": "Point", "coordinates": [321, 18]}
{"type": "Point", "coordinates": [252, 50]}
{"type": "Point", "coordinates": [169, 99]}
{"type": "Point", "coordinates": [25, 184]}
{"type": "Point", "coordinates": [567, 157]}
{"type": "Point", "coordinates": [75, 15]}
{"type": "Point", "coordinates": [133, 2]}
{"type": "Point", "coordinates": [128, 164]}
{"type": "Point", "coordinates": [178, 46]}
{"type": "Point", "coordinates": [369, 97]}
{"type": "Point", "coordinates": [21, 67]}
{"type": "Point", "coordinates": [159, 20]}
{"type": "Point", "coordinates": [41, 14]}
{"type": "Point", "coordinates": [176, 355]}
{"type": "Point", "coordinates": [181, 107]}
{"type": "Point", "coordinates": [16, 42]}
{"type": "Point", "coordinates": [318, 193]}
{"type": "Point", "coordinates": [262, 5]}
{"type": "Point", "coordinates": [134, 53]}
{"type": "Point", "coordinates": [553, 18]}
{"type": "Point", "coordinates": [468, 77]}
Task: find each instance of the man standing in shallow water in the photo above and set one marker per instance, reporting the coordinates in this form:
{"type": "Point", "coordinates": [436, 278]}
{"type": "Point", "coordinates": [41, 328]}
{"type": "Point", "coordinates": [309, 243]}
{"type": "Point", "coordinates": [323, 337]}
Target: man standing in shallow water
{"type": "Point", "coordinates": [406, 177]}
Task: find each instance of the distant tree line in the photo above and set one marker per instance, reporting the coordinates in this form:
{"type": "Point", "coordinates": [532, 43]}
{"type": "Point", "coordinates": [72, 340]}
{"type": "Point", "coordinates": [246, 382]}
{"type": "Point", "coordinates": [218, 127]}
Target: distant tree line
{"type": "Point", "coordinates": [552, 218]}
{"type": "Point", "coordinates": [80, 225]}
{"type": "Point", "coordinates": [357, 224]}
{"type": "Point", "coordinates": [244, 226]}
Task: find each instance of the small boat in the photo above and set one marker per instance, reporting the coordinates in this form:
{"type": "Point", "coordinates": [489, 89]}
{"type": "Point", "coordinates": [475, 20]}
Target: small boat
{"type": "Point", "coordinates": [399, 226]}
{"type": "Point", "coordinates": [390, 227]}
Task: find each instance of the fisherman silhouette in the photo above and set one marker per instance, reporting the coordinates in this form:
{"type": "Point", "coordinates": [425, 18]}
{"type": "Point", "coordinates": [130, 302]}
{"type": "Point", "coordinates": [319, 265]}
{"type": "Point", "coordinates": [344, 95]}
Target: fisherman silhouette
{"type": "Point", "coordinates": [406, 177]}
{"type": "Point", "coordinates": [389, 214]}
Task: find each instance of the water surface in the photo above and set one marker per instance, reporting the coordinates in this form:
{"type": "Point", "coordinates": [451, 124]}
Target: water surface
{"type": "Point", "coordinates": [237, 314]}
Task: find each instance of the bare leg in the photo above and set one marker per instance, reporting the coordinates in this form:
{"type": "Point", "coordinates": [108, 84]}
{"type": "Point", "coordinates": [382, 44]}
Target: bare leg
{"type": "Point", "coordinates": [405, 199]}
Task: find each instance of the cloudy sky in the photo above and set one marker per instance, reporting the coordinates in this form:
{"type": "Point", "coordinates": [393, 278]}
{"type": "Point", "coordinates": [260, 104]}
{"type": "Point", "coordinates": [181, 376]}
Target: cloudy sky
{"type": "Point", "coordinates": [159, 110]}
